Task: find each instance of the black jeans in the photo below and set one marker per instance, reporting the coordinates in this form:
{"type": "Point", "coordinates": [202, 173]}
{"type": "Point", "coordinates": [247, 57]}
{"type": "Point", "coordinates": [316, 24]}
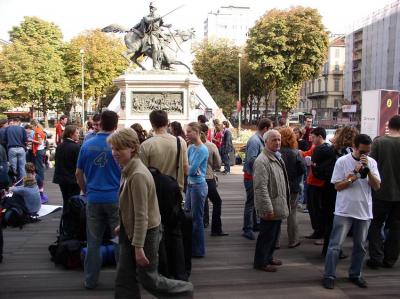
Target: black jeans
{"type": "Point", "coordinates": [386, 216]}
{"type": "Point", "coordinates": [1, 244]}
{"type": "Point", "coordinates": [328, 209]}
{"type": "Point", "coordinates": [69, 190]}
{"type": "Point", "coordinates": [315, 197]}
{"type": "Point", "coordinates": [266, 240]}
{"type": "Point", "coordinates": [213, 195]}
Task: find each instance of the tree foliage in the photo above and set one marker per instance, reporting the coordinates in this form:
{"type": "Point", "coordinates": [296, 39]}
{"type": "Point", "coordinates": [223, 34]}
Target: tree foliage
{"type": "Point", "coordinates": [288, 47]}
{"type": "Point", "coordinates": [31, 67]}
{"type": "Point", "coordinates": [103, 62]}
{"type": "Point", "coordinates": [216, 63]}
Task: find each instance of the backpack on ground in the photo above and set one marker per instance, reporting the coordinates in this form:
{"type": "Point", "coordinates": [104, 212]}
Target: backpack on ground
{"type": "Point", "coordinates": [66, 253]}
{"type": "Point", "coordinates": [73, 218]}
{"type": "Point", "coordinates": [15, 213]}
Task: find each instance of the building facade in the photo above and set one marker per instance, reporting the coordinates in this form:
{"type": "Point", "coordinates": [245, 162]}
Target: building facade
{"type": "Point", "coordinates": [323, 96]}
{"type": "Point", "coordinates": [230, 22]}
{"type": "Point", "coordinates": [373, 54]}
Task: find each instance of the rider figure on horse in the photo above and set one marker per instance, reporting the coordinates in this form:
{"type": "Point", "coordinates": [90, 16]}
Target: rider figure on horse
{"type": "Point", "coordinates": [149, 29]}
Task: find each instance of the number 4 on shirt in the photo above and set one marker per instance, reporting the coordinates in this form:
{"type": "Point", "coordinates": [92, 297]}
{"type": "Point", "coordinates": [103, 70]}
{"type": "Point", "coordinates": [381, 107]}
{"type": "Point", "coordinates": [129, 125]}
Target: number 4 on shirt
{"type": "Point", "coordinates": [101, 160]}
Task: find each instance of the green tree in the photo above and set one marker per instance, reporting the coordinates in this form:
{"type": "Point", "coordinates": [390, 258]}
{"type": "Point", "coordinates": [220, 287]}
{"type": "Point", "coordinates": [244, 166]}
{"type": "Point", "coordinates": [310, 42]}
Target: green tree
{"type": "Point", "coordinates": [216, 63]}
{"type": "Point", "coordinates": [103, 62]}
{"type": "Point", "coordinates": [31, 67]}
{"type": "Point", "coordinates": [288, 47]}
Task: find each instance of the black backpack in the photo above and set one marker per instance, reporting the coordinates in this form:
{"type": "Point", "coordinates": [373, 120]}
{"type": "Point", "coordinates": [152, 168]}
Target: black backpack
{"type": "Point", "coordinates": [168, 194]}
{"type": "Point", "coordinates": [15, 212]}
{"type": "Point", "coordinates": [73, 218]}
{"type": "Point", "coordinates": [66, 253]}
{"type": "Point", "coordinates": [324, 157]}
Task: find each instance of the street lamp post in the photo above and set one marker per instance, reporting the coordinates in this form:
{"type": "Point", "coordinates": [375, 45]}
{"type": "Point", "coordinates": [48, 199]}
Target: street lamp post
{"type": "Point", "coordinates": [240, 100]}
{"type": "Point", "coordinates": [82, 52]}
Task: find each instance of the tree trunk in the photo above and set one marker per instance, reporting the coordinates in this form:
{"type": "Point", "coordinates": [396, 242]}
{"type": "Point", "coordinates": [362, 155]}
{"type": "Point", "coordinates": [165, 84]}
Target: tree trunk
{"type": "Point", "coordinates": [276, 111]}
{"type": "Point", "coordinates": [258, 107]}
{"type": "Point", "coordinates": [251, 110]}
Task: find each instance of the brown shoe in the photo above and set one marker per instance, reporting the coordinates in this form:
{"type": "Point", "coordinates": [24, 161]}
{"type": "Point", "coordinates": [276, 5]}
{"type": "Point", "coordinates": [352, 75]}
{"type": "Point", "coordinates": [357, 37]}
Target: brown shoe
{"type": "Point", "coordinates": [276, 262]}
{"type": "Point", "coordinates": [269, 268]}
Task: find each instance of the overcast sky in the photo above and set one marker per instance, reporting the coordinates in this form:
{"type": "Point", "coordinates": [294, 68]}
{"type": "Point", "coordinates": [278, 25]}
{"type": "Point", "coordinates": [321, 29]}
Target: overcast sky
{"type": "Point", "coordinates": [74, 16]}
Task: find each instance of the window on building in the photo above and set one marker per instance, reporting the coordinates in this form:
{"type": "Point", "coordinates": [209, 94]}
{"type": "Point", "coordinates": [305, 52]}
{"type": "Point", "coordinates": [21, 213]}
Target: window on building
{"type": "Point", "coordinates": [319, 85]}
{"type": "Point", "coordinates": [337, 66]}
{"type": "Point", "coordinates": [336, 103]}
{"type": "Point", "coordinates": [313, 86]}
{"type": "Point", "coordinates": [337, 53]}
{"type": "Point", "coordinates": [309, 88]}
{"type": "Point", "coordinates": [337, 84]}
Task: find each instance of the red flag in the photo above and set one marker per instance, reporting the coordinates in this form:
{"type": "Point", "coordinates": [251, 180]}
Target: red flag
{"type": "Point", "coordinates": [238, 106]}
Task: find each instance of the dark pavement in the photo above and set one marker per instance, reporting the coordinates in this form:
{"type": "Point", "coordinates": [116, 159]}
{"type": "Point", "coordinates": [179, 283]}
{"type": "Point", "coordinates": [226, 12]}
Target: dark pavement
{"type": "Point", "coordinates": [225, 272]}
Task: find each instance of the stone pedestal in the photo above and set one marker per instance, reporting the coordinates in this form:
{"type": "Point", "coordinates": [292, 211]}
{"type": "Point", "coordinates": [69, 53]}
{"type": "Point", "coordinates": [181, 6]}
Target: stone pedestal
{"type": "Point", "coordinates": [144, 91]}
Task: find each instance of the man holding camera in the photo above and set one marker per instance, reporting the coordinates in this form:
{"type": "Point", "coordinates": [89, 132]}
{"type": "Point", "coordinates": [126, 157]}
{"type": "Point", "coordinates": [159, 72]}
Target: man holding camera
{"type": "Point", "coordinates": [354, 175]}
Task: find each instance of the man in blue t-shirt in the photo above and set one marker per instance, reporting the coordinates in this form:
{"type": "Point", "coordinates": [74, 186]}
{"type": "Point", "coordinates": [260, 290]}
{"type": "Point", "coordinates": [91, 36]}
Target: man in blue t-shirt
{"type": "Point", "coordinates": [98, 176]}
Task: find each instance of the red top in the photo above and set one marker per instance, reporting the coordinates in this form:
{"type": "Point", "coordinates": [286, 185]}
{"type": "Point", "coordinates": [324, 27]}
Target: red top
{"type": "Point", "coordinates": [311, 179]}
{"type": "Point", "coordinates": [59, 132]}
{"type": "Point", "coordinates": [247, 176]}
{"type": "Point", "coordinates": [217, 140]}
{"type": "Point", "coordinates": [37, 136]}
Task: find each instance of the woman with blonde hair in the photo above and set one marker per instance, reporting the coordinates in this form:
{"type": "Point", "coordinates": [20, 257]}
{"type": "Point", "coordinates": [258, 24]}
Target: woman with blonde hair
{"type": "Point", "coordinates": [140, 223]}
{"type": "Point", "coordinates": [197, 189]}
{"type": "Point", "coordinates": [295, 168]}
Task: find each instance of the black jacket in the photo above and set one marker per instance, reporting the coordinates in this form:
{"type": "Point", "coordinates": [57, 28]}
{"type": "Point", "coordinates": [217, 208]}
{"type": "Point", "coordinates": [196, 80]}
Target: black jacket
{"type": "Point", "coordinates": [295, 167]}
{"type": "Point", "coordinates": [66, 158]}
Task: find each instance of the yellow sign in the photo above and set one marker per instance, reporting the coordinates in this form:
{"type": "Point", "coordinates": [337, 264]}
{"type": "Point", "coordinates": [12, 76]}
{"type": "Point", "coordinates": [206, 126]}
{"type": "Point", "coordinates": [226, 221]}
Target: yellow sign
{"type": "Point", "coordinates": [389, 103]}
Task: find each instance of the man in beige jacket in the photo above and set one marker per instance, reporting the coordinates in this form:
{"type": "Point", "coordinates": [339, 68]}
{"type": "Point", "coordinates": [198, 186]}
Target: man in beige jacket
{"type": "Point", "coordinates": [271, 195]}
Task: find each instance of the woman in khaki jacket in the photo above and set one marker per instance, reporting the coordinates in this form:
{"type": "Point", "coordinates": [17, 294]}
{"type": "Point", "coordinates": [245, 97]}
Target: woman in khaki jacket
{"type": "Point", "coordinates": [140, 224]}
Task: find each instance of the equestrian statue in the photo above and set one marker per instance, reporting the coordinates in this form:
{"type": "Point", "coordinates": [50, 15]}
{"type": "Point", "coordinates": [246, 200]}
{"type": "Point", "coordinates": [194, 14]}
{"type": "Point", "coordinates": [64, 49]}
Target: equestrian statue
{"type": "Point", "coordinates": [148, 38]}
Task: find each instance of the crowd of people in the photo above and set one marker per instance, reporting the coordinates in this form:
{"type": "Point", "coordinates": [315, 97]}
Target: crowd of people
{"type": "Point", "coordinates": [350, 188]}
{"type": "Point", "coordinates": [348, 185]}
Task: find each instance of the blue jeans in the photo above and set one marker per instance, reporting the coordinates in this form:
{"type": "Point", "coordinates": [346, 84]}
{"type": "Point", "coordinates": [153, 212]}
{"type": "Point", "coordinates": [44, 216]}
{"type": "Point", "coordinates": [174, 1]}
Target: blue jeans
{"type": "Point", "coordinates": [341, 226]}
{"type": "Point", "coordinates": [17, 158]}
{"type": "Point", "coordinates": [249, 216]}
{"type": "Point", "coordinates": [98, 215]}
{"type": "Point", "coordinates": [196, 194]}
{"type": "Point", "coordinates": [39, 166]}
{"type": "Point", "coordinates": [227, 163]}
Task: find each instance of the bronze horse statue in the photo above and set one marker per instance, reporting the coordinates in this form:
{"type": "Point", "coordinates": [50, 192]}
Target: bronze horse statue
{"type": "Point", "coordinates": [137, 46]}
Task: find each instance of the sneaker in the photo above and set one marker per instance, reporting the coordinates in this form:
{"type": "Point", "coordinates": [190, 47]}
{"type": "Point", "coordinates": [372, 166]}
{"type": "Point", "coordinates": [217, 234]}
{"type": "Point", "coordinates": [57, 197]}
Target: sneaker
{"type": "Point", "coordinates": [359, 281]}
{"type": "Point", "coordinates": [328, 283]}
{"type": "Point", "coordinates": [249, 235]}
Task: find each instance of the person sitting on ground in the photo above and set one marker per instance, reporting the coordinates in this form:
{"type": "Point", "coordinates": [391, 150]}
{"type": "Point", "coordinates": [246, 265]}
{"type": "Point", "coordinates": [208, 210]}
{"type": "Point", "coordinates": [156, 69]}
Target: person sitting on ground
{"type": "Point", "coordinates": [140, 223]}
{"type": "Point", "coordinates": [30, 190]}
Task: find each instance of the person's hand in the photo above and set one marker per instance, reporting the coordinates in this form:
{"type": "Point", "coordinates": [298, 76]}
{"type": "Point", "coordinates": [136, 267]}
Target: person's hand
{"type": "Point", "coordinates": [358, 167]}
{"type": "Point", "coordinates": [352, 177]}
{"type": "Point", "coordinates": [116, 230]}
{"type": "Point", "coordinates": [268, 216]}
{"type": "Point", "coordinates": [141, 258]}
{"type": "Point", "coordinates": [364, 160]}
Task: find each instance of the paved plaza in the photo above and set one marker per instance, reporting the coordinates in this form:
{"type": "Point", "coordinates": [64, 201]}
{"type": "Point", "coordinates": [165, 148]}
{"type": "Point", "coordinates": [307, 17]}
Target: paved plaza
{"type": "Point", "coordinates": [225, 272]}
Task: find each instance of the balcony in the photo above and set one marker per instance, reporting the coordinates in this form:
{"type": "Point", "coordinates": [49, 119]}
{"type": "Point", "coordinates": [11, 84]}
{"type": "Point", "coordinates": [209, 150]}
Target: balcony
{"type": "Point", "coordinates": [317, 95]}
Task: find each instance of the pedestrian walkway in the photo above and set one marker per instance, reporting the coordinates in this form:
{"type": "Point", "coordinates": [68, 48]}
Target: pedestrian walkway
{"type": "Point", "coordinates": [225, 272]}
